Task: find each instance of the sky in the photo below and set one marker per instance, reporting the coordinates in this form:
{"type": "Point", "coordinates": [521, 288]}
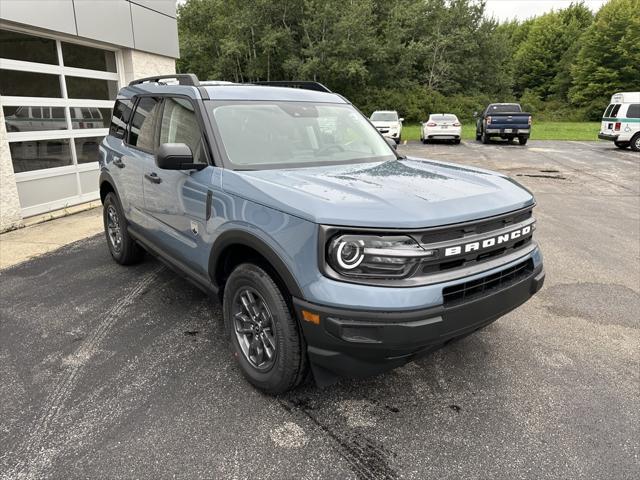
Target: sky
{"type": "Point", "coordinates": [523, 9]}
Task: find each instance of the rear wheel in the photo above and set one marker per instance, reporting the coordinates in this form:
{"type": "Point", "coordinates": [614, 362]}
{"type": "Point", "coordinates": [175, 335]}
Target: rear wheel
{"type": "Point", "coordinates": [122, 246]}
{"type": "Point", "coordinates": [457, 141]}
{"type": "Point", "coordinates": [265, 338]}
{"type": "Point", "coordinates": [635, 142]}
{"type": "Point", "coordinates": [622, 145]}
{"type": "Point", "coordinates": [522, 140]}
{"type": "Point", "coordinates": [484, 138]}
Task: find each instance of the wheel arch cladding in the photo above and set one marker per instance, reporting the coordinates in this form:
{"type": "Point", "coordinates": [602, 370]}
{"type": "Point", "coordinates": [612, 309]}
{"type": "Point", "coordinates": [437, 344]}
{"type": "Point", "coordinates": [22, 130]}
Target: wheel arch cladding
{"type": "Point", "coordinates": [106, 185]}
{"type": "Point", "coordinates": [233, 247]}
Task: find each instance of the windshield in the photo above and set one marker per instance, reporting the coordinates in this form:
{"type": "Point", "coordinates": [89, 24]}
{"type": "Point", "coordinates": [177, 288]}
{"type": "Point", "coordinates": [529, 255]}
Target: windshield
{"type": "Point", "coordinates": [384, 117]}
{"type": "Point", "coordinates": [273, 134]}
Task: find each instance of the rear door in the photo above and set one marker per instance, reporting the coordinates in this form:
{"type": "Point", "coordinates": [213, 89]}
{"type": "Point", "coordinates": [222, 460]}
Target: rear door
{"type": "Point", "coordinates": [176, 200]}
{"type": "Point", "coordinates": [139, 156]}
{"type": "Point", "coordinates": [609, 119]}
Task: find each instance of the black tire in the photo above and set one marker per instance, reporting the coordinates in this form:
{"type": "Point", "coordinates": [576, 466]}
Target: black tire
{"type": "Point", "coordinates": [125, 251]}
{"type": "Point", "coordinates": [477, 136]}
{"type": "Point", "coordinates": [522, 140]}
{"type": "Point", "coordinates": [456, 141]}
{"type": "Point", "coordinates": [289, 365]}
{"type": "Point", "coordinates": [635, 142]}
{"type": "Point", "coordinates": [484, 138]}
{"type": "Point", "coordinates": [425, 141]}
{"type": "Point", "coordinates": [622, 145]}
{"type": "Point", "coordinates": [398, 141]}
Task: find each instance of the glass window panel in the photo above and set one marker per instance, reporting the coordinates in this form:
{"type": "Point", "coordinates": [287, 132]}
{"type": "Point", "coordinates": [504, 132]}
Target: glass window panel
{"type": "Point", "coordinates": [90, 117]}
{"type": "Point", "coordinates": [93, 88]}
{"type": "Point", "coordinates": [40, 154]}
{"type": "Point", "coordinates": [179, 125]}
{"type": "Point", "coordinates": [79, 56]}
{"type": "Point", "coordinates": [31, 119]}
{"type": "Point", "coordinates": [28, 48]}
{"type": "Point", "coordinates": [633, 111]}
{"type": "Point", "coordinates": [120, 119]}
{"type": "Point", "coordinates": [29, 84]}
{"type": "Point", "coordinates": [87, 149]}
{"type": "Point", "coordinates": [143, 124]}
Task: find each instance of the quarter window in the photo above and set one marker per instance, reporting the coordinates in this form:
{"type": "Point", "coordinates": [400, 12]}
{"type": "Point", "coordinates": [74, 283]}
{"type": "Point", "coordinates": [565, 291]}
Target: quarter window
{"type": "Point", "coordinates": [120, 119]}
{"type": "Point", "coordinates": [143, 124]}
{"type": "Point", "coordinates": [179, 125]}
{"type": "Point", "coordinates": [633, 111]}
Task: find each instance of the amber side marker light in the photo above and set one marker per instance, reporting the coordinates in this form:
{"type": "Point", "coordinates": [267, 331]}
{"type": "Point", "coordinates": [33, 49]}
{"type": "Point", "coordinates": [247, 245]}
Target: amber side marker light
{"type": "Point", "coordinates": [311, 317]}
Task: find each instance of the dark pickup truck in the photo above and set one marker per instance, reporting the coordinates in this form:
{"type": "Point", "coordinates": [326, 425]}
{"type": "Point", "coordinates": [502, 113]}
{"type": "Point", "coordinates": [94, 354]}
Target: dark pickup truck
{"type": "Point", "coordinates": [504, 120]}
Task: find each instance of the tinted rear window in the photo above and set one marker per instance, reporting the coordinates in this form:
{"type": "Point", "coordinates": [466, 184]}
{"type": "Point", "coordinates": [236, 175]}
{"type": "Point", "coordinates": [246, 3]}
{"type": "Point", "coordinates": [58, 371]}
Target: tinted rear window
{"type": "Point", "coordinates": [120, 118]}
{"type": "Point", "coordinates": [444, 118]}
{"type": "Point", "coordinates": [608, 110]}
{"type": "Point", "coordinates": [633, 111]}
{"type": "Point", "coordinates": [511, 107]}
{"type": "Point", "coordinates": [615, 110]}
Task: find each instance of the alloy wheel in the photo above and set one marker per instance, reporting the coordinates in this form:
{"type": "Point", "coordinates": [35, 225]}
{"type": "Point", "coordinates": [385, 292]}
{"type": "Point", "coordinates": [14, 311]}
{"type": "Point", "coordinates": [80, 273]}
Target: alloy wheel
{"type": "Point", "coordinates": [254, 328]}
{"type": "Point", "coordinates": [113, 229]}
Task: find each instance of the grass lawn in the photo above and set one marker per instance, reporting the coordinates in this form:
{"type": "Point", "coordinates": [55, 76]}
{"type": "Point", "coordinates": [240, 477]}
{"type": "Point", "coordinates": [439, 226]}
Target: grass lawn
{"type": "Point", "coordinates": [541, 131]}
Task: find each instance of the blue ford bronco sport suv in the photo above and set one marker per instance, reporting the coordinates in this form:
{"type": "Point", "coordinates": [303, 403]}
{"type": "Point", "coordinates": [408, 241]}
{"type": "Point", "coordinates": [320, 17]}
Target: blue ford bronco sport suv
{"type": "Point", "coordinates": [331, 253]}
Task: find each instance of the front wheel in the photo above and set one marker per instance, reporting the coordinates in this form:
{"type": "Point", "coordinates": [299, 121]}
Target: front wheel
{"type": "Point", "coordinates": [622, 145]}
{"type": "Point", "coordinates": [265, 338]}
{"type": "Point", "coordinates": [522, 140]}
{"type": "Point", "coordinates": [635, 142]}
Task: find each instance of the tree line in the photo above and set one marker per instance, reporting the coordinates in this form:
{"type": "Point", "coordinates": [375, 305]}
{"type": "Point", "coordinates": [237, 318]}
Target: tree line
{"type": "Point", "coordinates": [420, 56]}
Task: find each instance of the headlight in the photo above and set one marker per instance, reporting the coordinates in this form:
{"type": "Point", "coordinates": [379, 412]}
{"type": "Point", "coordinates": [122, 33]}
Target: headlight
{"type": "Point", "coordinates": [375, 256]}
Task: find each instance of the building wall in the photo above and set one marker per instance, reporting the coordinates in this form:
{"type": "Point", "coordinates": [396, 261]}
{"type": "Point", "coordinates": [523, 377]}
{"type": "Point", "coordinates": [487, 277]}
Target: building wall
{"type": "Point", "coordinates": [143, 33]}
{"type": "Point", "coordinates": [147, 25]}
{"type": "Point", "coordinates": [10, 215]}
{"type": "Point", "coordinates": [139, 64]}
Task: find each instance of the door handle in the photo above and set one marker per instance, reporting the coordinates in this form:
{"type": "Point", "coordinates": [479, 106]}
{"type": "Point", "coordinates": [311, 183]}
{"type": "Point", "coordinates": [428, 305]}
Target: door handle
{"type": "Point", "coordinates": [118, 162]}
{"type": "Point", "coordinates": [153, 177]}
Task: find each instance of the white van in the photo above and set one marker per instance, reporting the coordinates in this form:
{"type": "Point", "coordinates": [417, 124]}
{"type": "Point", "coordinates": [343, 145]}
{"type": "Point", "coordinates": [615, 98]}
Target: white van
{"type": "Point", "coordinates": [621, 121]}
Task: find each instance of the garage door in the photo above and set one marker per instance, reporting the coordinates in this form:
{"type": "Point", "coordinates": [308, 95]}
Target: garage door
{"type": "Point", "coordinates": [56, 98]}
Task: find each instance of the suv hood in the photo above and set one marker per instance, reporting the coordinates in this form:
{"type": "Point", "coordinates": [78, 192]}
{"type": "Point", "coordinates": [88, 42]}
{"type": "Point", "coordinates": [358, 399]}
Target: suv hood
{"type": "Point", "coordinates": [411, 193]}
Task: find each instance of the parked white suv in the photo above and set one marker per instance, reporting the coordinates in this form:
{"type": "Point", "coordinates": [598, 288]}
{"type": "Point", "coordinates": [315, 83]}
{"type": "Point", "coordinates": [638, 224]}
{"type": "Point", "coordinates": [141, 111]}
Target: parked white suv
{"type": "Point", "coordinates": [441, 126]}
{"type": "Point", "coordinates": [621, 121]}
{"type": "Point", "coordinates": [388, 124]}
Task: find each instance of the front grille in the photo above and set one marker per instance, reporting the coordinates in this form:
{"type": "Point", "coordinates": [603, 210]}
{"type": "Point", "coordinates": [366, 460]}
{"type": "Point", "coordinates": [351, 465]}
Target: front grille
{"type": "Point", "coordinates": [467, 291]}
{"type": "Point", "coordinates": [444, 234]}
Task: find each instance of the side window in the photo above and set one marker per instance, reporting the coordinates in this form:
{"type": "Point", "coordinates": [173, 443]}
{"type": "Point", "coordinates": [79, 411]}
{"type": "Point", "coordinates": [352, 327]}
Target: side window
{"type": "Point", "coordinates": [614, 111]}
{"type": "Point", "coordinates": [143, 124]}
{"type": "Point", "coordinates": [633, 111]}
{"type": "Point", "coordinates": [120, 118]}
{"type": "Point", "coordinates": [179, 125]}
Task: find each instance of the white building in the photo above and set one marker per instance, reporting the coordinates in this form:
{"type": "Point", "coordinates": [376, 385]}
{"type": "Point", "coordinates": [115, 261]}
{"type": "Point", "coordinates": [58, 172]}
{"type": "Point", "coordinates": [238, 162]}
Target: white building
{"type": "Point", "coordinates": [61, 65]}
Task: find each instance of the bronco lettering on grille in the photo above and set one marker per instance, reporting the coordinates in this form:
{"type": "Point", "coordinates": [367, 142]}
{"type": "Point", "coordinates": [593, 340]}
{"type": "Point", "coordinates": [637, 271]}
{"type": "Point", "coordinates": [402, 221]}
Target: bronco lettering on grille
{"type": "Point", "coordinates": [487, 242]}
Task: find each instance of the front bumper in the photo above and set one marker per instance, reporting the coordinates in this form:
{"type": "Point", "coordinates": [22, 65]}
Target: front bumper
{"type": "Point", "coordinates": [359, 343]}
{"type": "Point", "coordinates": [607, 136]}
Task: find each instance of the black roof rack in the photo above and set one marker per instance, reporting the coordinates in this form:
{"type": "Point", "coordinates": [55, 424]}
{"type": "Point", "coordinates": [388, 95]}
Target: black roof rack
{"type": "Point", "coordinates": [183, 79]}
{"type": "Point", "coordinates": [306, 85]}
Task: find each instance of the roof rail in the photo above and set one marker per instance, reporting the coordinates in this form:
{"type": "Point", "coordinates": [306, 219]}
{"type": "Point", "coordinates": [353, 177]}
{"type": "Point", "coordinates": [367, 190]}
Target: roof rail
{"type": "Point", "coordinates": [183, 79]}
{"type": "Point", "coordinates": [306, 85]}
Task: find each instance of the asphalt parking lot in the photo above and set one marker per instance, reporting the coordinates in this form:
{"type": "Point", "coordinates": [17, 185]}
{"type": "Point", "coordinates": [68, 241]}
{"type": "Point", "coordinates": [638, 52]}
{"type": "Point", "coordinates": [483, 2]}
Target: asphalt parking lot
{"type": "Point", "coordinates": [113, 372]}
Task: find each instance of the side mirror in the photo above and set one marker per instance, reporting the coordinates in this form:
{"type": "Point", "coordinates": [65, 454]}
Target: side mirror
{"type": "Point", "coordinates": [391, 142]}
{"type": "Point", "coordinates": [401, 120]}
{"type": "Point", "coordinates": [176, 156]}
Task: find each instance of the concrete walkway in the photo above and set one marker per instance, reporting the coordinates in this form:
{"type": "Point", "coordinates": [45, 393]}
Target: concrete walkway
{"type": "Point", "coordinates": [28, 242]}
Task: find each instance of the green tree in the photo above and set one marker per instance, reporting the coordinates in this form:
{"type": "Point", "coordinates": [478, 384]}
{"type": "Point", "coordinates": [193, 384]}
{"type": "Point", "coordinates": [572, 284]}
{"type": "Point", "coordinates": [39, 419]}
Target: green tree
{"type": "Point", "coordinates": [609, 57]}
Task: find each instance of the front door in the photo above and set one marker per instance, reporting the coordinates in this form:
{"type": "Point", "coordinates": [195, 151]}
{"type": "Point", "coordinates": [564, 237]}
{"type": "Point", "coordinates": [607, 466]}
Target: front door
{"type": "Point", "coordinates": [176, 200]}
